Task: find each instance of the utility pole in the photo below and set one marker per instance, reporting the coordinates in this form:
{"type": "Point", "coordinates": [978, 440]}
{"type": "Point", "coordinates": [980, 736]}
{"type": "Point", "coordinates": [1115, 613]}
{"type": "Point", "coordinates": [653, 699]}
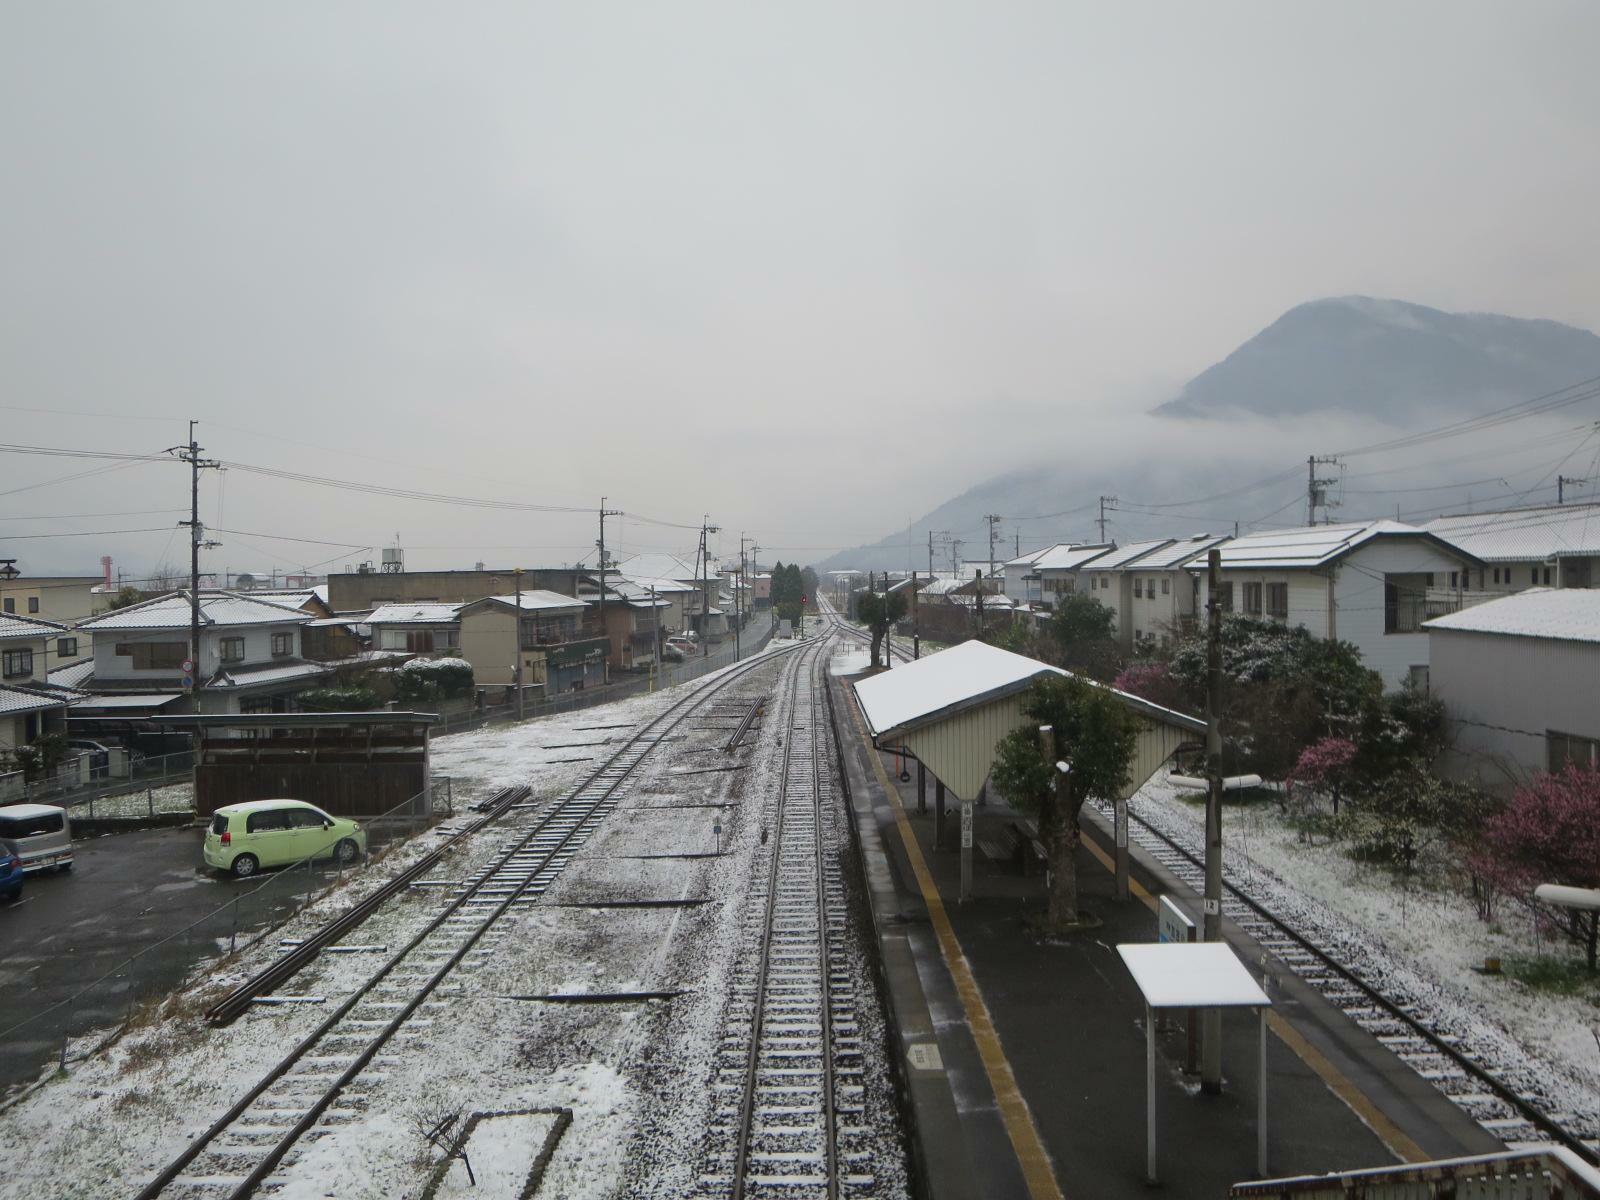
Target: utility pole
{"type": "Point", "coordinates": [930, 554]}
{"type": "Point", "coordinates": [1316, 489]}
{"type": "Point", "coordinates": [1105, 500]}
{"type": "Point", "coordinates": [604, 513]}
{"type": "Point", "coordinates": [657, 612]}
{"type": "Point", "coordinates": [197, 533]}
{"type": "Point", "coordinates": [916, 648]}
{"type": "Point", "coordinates": [977, 574]}
{"type": "Point", "coordinates": [993, 519]}
{"type": "Point", "coordinates": [706, 527]}
{"type": "Point", "coordinates": [1211, 1029]}
{"type": "Point", "coordinates": [1561, 487]}
{"type": "Point", "coordinates": [516, 675]}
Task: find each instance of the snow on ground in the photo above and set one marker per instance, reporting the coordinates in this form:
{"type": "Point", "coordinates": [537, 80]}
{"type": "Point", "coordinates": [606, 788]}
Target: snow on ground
{"type": "Point", "coordinates": [1422, 941]}
{"type": "Point", "coordinates": [175, 798]}
{"type": "Point", "coordinates": [118, 1117]}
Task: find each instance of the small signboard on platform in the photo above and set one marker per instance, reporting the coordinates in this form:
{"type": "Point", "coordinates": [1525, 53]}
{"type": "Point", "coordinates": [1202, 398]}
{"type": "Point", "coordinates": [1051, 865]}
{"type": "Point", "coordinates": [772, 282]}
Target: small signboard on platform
{"type": "Point", "coordinates": [1172, 923]}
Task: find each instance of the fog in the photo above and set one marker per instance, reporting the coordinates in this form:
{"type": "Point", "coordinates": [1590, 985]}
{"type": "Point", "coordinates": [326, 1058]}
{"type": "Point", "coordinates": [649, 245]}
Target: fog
{"type": "Point", "coordinates": [810, 270]}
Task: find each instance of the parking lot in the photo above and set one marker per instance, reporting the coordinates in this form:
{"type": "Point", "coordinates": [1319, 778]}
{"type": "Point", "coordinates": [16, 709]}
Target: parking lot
{"type": "Point", "coordinates": [126, 893]}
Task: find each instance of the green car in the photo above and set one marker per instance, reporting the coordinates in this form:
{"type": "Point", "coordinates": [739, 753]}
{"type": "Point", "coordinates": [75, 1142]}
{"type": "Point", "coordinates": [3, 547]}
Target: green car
{"type": "Point", "coordinates": [243, 838]}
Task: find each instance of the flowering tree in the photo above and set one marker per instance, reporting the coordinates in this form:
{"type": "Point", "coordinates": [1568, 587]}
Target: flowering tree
{"type": "Point", "coordinates": [1325, 766]}
{"type": "Point", "coordinates": [1152, 681]}
{"type": "Point", "coordinates": [1549, 833]}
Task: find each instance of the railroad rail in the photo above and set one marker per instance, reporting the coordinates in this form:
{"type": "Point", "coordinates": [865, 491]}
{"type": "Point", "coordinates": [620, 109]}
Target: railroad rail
{"type": "Point", "coordinates": [790, 1086]}
{"type": "Point", "coordinates": [1520, 1118]}
{"type": "Point", "coordinates": [316, 1084]}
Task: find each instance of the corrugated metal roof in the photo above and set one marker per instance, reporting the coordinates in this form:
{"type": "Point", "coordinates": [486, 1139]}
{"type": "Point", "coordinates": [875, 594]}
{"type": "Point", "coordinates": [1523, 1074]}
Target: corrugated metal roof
{"type": "Point", "coordinates": [1310, 546]}
{"type": "Point", "coordinates": [1133, 554]}
{"type": "Point", "coordinates": [1181, 551]}
{"type": "Point", "coordinates": [255, 677]}
{"type": "Point", "coordinates": [13, 626]}
{"type": "Point", "coordinates": [1564, 614]}
{"type": "Point", "coordinates": [150, 700]}
{"type": "Point", "coordinates": [15, 700]}
{"type": "Point", "coordinates": [1524, 533]}
{"type": "Point", "coordinates": [216, 609]}
{"type": "Point", "coordinates": [1068, 557]}
{"type": "Point", "coordinates": [414, 614]}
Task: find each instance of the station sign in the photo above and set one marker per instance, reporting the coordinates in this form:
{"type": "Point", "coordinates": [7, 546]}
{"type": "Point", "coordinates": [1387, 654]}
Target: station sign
{"type": "Point", "coordinates": [1172, 923]}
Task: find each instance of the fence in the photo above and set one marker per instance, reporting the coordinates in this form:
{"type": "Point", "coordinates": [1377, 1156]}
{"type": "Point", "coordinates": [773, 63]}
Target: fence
{"type": "Point", "coordinates": [78, 781]}
{"type": "Point", "coordinates": [65, 1014]}
{"type": "Point", "coordinates": [1552, 1173]}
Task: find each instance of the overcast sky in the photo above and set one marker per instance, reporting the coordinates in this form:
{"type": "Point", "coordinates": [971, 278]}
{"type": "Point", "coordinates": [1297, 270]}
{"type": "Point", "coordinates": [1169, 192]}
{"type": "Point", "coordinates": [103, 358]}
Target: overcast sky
{"type": "Point", "coordinates": [811, 269]}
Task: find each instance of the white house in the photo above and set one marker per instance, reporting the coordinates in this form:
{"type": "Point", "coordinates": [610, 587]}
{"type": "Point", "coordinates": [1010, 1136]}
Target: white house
{"type": "Point", "coordinates": [1517, 678]}
{"type": "Point", "coordinates": [1021, 584]}
{"type": "Point", "coordinates": [1550, 546]}
{"type": "Point", "coordinates": [416, 628]}
{"type": "Point", "coordinates": [1372, 584]}
{"type": "Point", "coordinates": [29, 705]}
{"type": "Point", "coordinates": [250, 655]}
{"type": "Point", "coordinates": [1110, 579]}
{"type": "Point", "coordinates": [1058, 568]}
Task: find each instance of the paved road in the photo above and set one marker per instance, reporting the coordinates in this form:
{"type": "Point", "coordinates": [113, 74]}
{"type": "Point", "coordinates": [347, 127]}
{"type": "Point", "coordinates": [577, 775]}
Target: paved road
{"type": "Point", "coordinates": [126, 892]}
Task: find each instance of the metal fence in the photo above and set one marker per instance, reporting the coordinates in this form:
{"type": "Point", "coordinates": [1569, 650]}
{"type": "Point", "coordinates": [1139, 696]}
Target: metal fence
{"type": "Point", "coordinates": [67, 1019]}
{"type": "Point", "coordinates": [78, 781]}
{"type": "Point", "coordinates": [1551, 1173]}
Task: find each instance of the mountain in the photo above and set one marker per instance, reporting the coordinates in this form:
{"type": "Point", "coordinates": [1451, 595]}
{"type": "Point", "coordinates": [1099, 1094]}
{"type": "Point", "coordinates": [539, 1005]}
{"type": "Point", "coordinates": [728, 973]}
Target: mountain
{"type": "Point", "coordinates": [1397, 365]}
{"type": "Point", "coordinates": [1389, 359]}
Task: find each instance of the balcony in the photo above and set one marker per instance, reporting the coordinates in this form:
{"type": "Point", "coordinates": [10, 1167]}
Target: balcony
{"type": "Point", "coordinates": [1405, 609]}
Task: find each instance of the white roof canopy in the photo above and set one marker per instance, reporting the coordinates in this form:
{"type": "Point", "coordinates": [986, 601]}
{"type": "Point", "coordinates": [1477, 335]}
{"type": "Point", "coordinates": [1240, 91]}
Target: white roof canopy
{"type": "Point", "coordinates": [1191, 975]}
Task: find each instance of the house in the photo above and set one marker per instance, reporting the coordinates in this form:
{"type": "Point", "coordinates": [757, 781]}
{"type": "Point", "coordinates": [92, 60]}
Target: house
{"type": "Point", "coordinates": [1146, 586]}
{"type": "Point", "coordinates": [1549, 546]}
{"type": "Point", "coordinates": [1056, 570]}
{"type": "Point", "coordinates": [682, 608]}
{"type": "Point", "coordinates": [64, 599]}
{"type": "Point", "coordinates": [363, 591]}
{"type": "Point", "coordinates": [250, 656]}
{"type": "Point", "coordinates": [416, 628]}
{"type": "Point", "coordinates": [1371, 584]}
{"type": "Point", "coordinates": [1517, 678]}
{"type": "Point", "coordinates": [562, 646]}
{"type": "Point", "coordinates": [1021, 583]}
{"type": "Point", "coordinates": [328, 636]}
{"type": "Point", "coordinates": [30, 706]}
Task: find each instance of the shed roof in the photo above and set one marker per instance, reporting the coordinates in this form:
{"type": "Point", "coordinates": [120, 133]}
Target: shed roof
{"type": "Point", "coordinates": [415, 614]}
{"type": "Point", "coordinates": [1560, 614]}
{"type": "Point", "coordinates": [535, 600]}
{"type": "Point", "coordinates": [1318, 545]}
{"type": "Point", "coordinates": [1524, 533]}
{"type": "Point", "coordinates": [14, 627]}
{"type": "Point", "coordinates": [1067, 557]}
{"type": "Point", "coordinates": [217, 608]}
{"type": "Point", "coordinates": [1191, 975]}
{"type": "Point", "coordinates": [73, 674]}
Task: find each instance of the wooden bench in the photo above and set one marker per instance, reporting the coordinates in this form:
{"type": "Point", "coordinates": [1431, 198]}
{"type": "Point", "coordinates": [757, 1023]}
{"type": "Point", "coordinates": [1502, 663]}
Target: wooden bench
{"type": "Point", "coordinates": [1027, 850]}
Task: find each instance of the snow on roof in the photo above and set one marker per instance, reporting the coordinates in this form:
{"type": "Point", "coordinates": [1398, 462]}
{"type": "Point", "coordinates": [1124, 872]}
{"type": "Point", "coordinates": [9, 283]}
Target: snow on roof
{"type": "Point", "coordinates": [73, 674]}
{"type": "Point", "coordinates": [15, 700]}
{"type": "Point", "coordinates": [1313, 545]}
{"type": "Point", "coordinates": [1524, 533]}
{"type": "Point", "coordinates": [960, 675]}
{"type": "Point", "coordinates": [29, 810]}
{"type": "Point", "coordinates": [131, 700]}
{"type": "Point", "coordinates": [1561, 614]}
{"type": "Point", "coordinates": [1181, 551]}
{"type": "Point", "coordinates": [13, 626]}
{"type": "Point", "coordinates": [1129, 555]}
{"type": "Point", "coordinates": [216, 609]}
{"type": "Point", "coordinates": [1028, 559]}
{"type": "Point", "coordinates": [415, 614]}
{"type": "Point", "coordinates": [535, 600]}
{"type": "Point", "coordinates": [1067, 557]}
{"type": "Point", "coordinates": [657, 566]}
{"type": "Point", "coordinates": [1191, 975]}
{"type": "Point", "coordinates": [241, 677]}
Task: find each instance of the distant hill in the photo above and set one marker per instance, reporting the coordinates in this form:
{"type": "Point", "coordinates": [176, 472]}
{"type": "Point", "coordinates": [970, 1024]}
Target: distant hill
{"type": "Point", "coordinates": [1389, 359]}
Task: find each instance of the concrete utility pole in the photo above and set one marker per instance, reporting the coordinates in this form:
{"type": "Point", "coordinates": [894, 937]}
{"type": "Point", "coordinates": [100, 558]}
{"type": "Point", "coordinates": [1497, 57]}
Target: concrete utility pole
{"type": "Point", "coordinates": [604, 513]}
{"type": "Point", "coordinates": [1316, 489]}
{"type": "Point", "coordinates": [1211, 1029]}
{"type": "Point", "coordinates": [706, 528]}
{"type": "Point", "coordinates": [657, 612]}
{"type": "Point", "coordinates": [916, 630]}
{"type": "Point", "coordinates": [1105, 500]}
{"type": "Point", "coordinates": [516, 639]}
{"type": "Point", "coordinates": [977, 575]}
{"type": "Point", "coordinates": [993, 519]}
{"type": "Point", "coordinates": [191, 455]}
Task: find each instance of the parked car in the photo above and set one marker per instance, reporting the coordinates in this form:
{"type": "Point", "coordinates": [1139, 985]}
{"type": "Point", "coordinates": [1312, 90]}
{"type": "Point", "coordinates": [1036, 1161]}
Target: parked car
{"type": "Point", "coordinates": [671, 653]}
{"type": "Point", "coordinates": [99, 754]}
{"type": "Point", "coordinates": [683, 646]}
{"type": "Point", "coordinates": [243, 838]}
{"type": "Point", "coordinates": [42, 834]}
{"type": "Point", "coordinates": [11, 872]}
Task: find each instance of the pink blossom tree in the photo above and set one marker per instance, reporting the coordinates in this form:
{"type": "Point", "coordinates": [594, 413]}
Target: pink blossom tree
{"type": "Point", "coordinates": [1325, 766]}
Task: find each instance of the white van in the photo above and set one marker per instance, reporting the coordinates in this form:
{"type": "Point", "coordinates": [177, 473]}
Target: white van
{"type": "Point", "coordinates": [42, 832]}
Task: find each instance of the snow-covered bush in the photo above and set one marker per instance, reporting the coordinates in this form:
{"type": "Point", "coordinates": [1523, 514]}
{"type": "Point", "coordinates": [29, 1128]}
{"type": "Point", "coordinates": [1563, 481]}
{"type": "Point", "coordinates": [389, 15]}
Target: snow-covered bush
{"type": "Point", "coordinates": [429, 680]}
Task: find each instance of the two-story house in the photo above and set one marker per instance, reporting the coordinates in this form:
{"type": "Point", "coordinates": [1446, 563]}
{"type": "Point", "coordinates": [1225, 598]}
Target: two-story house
{"type": "Point", "coordinates": [1550, 546]}
{"type": "Point", "coordinates": [1021, 582]}
{"type": "Point", "coordinates": [1146, 585]}
{"type": "Point", "coordinates": [250, 656]}
{"type": "Point", "coordinates": [29, 706]}
{"type": "Point", "coordinates": [1058, 570]}
{"type": "Point", "coordinates": [1372, 585]}
{"type": "Point", "coordinates": [416, 628]}
{"type": "Point", "coordinates": [561, 643]}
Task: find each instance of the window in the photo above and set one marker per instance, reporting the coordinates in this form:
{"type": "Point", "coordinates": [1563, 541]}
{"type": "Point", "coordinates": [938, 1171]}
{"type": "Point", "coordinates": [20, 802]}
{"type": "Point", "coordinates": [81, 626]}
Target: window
{"type": "Point", "coordinates": [1569, 748]}
{"type": "Point", "coordinates": [304, 818]}
{"type": "Point", "coordinates": [27, 827]}
{"type": "Point", "coordinates": [66, 647]}
{"type": "Point", "coordinates": [1278, 601]}
{"type": "Point", "coordinates": [10, 605]}
{"type": "Point", "coordinates": [1252, 599]}
{"type": "Point", "coordinates": [1138, 589]}
{"type": "Point", "coordinates": [154, 656]}
{"type": "Point", "coordinates": [1547, 577]}
{"type": "Point", "coordinates": [232, 649]}
{"type": "Point", "coordinates": [282, 645]}
{"type": "Point", "coordinates": [1150, 588]}
{"type": "Point", "coordinates": [267, 821]}
{"type": "Point", "coordinates": [1166, 586]}
{"type": "Point", "coordinates": [1453, 577]}
{"type": "Point", "coordinates": [18, 664]}
{"type": "Point", "coordinates": [33, 604]}
{"type": "Point", "coordinates": [1225, 597]}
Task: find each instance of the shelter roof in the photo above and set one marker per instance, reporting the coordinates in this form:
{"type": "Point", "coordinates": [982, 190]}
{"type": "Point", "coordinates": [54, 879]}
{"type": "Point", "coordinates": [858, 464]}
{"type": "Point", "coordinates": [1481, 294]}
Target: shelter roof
{"type": "Point", "coordinates": [248, 677]}
{"type": "Point", "coordinates": [14, 627]}
{"type": "Point", "coordinates": [1561, 614]}
{"type": "Point", "coordinates": [415, 614]}
{"type": "Point", "coordinates": [217, 608]}
{"type": "Point", "coordinates": [1318, 545]}
{"type": "Point", "coordinates": [1523, 533]}
{"type": "Point", "coordinates": [1067, 557]}
{"type": "Point", "coordinates": [1191, 975]}
{"type": "Point", "coordinates": [131, 700]}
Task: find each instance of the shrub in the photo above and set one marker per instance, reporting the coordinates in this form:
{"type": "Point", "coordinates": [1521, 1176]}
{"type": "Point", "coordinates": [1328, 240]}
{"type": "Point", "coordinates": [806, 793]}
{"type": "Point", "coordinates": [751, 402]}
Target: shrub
{"type": "Point", "coordinates": [338, 699]}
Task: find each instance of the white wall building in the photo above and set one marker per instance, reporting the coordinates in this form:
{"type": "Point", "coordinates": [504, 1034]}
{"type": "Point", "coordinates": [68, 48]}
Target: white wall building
{"type": "Point", "coordinates": [1517, 676]}
{"type": "Point", "coordinates": [1550, 546]}
{"type": "Point", "coordinates": [1020, 582]}
{"type": "Point", "coordinates": [1058, 568]}
{"type": "Point", "coordinates": [1372, 585]}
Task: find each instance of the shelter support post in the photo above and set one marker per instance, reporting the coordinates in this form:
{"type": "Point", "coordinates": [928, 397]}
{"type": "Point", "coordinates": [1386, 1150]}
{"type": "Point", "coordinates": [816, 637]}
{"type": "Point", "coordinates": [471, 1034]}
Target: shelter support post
{"type": "Point", "coordinates": [938, 813]}
{"type": "Point", "coordinates": [922, 789]}
{"type": "Point", "coordinates": [1122, 847]}
{"type": "Point", "coordinates": [1261, 1097]}
{"type": "Point", "coordinates": [966, 850]}
{"type": "Point", "coordinates": [1150, 1094]}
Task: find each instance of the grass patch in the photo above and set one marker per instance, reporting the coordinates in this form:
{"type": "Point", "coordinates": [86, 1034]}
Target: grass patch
{"type": "Point", "coordinates": [1559, 976]}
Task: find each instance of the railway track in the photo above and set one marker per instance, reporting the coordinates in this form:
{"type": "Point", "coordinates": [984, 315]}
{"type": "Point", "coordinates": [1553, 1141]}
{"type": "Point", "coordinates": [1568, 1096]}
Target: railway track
{"type": "Point", "coordinates": [1506, 1098]}
{"type": "Point", "coordinates": [324, 1080]}
{"type": "Point", "coordinates": [790, 1114]}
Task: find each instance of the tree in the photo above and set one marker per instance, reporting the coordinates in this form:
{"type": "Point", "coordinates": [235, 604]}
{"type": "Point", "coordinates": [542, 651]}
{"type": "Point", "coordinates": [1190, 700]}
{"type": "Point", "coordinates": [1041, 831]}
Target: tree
{"type": "Point", "coordinates": [125, 596]}
{"type": "Point", "coordinates": [1080, 627]}
{"type": "Point", "coordinates": [878, 612]}
{"type": "Point", "coordinates": [808, 584]}
{"type": "Point", "coordinates": [1325, 766]}
{"type": "Point", "coordinates": [1152, 681]}
{"type": "Point", "coordinates": [1094, 732]}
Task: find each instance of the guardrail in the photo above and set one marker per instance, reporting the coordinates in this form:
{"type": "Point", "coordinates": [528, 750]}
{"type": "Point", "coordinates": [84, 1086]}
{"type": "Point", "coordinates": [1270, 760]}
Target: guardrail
{"type": "Point", "coordinates": [1555, 1173]}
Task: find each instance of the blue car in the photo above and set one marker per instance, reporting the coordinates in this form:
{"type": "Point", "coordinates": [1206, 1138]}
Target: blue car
{"type": "Point", "coordinates": [11, 873]}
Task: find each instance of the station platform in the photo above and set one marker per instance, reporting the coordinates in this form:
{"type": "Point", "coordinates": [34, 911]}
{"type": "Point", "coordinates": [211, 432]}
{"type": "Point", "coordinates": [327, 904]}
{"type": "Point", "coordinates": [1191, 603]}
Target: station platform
{"type": "Point", "coordinates": [1023, 1059]}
